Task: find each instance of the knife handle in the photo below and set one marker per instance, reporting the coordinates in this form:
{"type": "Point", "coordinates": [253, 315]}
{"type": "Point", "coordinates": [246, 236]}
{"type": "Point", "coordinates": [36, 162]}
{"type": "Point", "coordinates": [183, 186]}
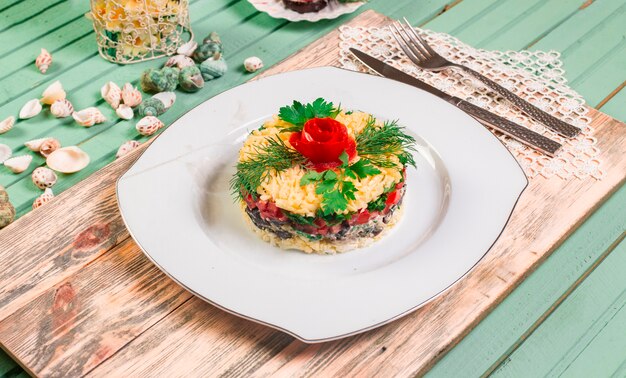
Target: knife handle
{"type": "Point", "coordinates": [515, 131]}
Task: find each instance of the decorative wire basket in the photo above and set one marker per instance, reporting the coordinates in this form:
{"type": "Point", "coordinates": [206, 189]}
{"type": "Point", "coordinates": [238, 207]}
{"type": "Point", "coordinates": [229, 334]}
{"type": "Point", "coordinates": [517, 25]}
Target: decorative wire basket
{"type": "Point", "coordinates": [131, 31]}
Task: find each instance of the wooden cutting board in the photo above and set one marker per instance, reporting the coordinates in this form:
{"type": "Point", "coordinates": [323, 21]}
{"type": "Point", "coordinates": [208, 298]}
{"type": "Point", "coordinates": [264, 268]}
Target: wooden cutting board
{"type": "Point", "coordinates": [78, 297]}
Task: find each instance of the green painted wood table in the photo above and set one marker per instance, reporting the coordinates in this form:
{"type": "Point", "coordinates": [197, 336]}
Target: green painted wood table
{"type": "Point", "coordinates": [566, 318]}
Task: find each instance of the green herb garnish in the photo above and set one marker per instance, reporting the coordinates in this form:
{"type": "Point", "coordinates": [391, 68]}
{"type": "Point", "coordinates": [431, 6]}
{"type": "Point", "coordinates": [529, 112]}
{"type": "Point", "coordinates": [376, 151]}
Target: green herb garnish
{"type": "Point", "coordinates": [297, 114]}
{"type": "Point", "coordinates": [377, 143]}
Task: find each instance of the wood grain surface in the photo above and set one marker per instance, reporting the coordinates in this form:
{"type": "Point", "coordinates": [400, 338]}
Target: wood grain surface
{"type": "Point", "coordinates": [98, 307]}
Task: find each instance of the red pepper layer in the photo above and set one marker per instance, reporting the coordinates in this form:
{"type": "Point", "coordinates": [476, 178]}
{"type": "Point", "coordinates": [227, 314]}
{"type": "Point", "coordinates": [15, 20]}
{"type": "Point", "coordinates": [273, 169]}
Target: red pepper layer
{"type": "Point", "coordinates": [269, 211]}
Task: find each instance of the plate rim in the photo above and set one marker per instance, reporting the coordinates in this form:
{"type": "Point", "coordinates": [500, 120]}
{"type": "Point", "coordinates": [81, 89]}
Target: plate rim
{"type": "Point", "coordinates": [294, 16]}
{"type": "Point", "coordinates": [277, 327]}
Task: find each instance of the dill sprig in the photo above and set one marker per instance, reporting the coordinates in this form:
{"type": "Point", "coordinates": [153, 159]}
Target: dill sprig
{"type": "Point", "coordinates": [275, 156]}
{"type": "Point", "coordinates": [377, 143]}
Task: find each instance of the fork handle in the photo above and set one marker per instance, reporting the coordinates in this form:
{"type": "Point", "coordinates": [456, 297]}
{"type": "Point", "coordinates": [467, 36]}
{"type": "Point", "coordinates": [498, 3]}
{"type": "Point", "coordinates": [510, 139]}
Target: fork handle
{"type": "Point", "coordinates": [550, 121]}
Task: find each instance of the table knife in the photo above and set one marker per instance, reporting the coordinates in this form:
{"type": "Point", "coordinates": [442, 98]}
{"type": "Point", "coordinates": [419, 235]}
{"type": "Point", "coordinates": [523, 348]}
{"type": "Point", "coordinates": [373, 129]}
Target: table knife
{"type": "Point", "coordinates": [515, 131]}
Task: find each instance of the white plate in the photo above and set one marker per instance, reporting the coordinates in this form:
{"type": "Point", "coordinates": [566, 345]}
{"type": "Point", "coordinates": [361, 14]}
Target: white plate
{"type": "Point", "coordinates": [276, 9]}
{"type": "Point", "coordinates": [177, 205]}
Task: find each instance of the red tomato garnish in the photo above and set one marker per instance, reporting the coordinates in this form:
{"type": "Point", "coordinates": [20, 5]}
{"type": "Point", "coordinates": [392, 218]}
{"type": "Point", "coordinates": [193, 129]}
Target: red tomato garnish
{"type": "Point", "coordinates": [322, 141]}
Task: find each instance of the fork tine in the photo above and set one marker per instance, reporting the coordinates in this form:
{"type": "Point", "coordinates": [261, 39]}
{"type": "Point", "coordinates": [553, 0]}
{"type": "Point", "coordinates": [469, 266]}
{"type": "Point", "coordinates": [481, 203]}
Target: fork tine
{"type": "Point", "coordinates": [413, 42]}
{"type": "Point", "coordinates": [421, 40]}
{"type": "Point", "coordinates": [407, 44]}
{"type": "Point", "coordinates": [406, 50]}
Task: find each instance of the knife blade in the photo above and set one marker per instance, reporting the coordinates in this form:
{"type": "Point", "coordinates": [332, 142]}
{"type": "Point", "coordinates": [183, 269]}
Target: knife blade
{"type": "Point", "coordinates": [503, 125]}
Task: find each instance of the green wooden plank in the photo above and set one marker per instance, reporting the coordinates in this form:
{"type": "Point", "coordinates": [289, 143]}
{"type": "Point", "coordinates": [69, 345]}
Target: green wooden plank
{"type": "Point", "coordinates": [462, 15]}
{"type": "Point", "coordinates": [23, 11]}
{"type": "Point", "coordinates": [566, 334]}
{"type": "Point", "coordinates": [616, 106]}
{"type": "Point", "coordinates": [509, 323]}
{"type": "Point", "coordinates": [8, 367]}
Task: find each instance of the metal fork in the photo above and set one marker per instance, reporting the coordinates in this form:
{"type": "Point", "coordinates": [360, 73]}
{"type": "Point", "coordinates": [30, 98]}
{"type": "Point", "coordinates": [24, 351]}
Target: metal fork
{"type": "Point", "coordinates": [418, 51]}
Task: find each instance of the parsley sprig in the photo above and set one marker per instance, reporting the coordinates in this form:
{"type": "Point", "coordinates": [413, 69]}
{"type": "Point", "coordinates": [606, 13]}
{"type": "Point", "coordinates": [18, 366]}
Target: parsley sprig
{"type": "Point", "coordinates": [297, 114]}
{"type": "Point", "coordinates": [377, 143]}
{"type": "Point", "coordinates": [335, 187]}
{"type": "Point", "coordinates": [275, 156]}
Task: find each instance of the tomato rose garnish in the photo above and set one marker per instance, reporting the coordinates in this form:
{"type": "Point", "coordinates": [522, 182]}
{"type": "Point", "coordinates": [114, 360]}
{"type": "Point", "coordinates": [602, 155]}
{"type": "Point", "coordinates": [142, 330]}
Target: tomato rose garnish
{"type": "Point", "coordinates": [322, 141]}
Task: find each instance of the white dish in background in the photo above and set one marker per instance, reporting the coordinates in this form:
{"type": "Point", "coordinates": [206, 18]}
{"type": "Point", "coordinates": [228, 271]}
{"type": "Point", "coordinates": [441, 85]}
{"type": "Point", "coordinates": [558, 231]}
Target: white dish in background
{"type": "Point", "coordinates": [177, 205]}
{"type": "Point", "coordinates": [276, 9]}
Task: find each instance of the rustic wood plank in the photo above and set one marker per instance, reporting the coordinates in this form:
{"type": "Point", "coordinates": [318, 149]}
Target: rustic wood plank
{"type": "Point", "coordinates": [415, 341]}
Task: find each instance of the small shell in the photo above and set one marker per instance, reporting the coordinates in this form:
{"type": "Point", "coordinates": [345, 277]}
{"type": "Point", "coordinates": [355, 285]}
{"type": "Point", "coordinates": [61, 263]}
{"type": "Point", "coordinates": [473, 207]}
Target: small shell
{"type": "Point", "coordinates": [131, 95]}
{"type": "Point", "coordinates": [154, 80]}
{"type": "Point", "coordinates": [18, 164]}
{"type": "Point", "coordinates": [149, 125]}
{"type": "Point", "coordinates": [61, 108]}
{"type": "Point", "coordinates": [88, 117]}
{"type": "Point", "coordinates": [5, 152]}
{"type": "Point", "coordinates": [253, 64]}
{"type": "Point", "coordinates": [167, 98]}
{"type": "Point", "coordinates": [213, 68]}
{"type": "Point", "coordinates": [112, 94]}
{"type": "Point", "coordinates": [43, 199]}
{"type": "Point", "coordinates": [30, 109]}
{"type": "Point", "coordinates": [124, 111]}
{"type": "Point", "coordinates": [127, 147]}
{"type": "Point", "coordinates": [190, 79]}
{"type": "Point", "coordinates": [49, 146]}
{"type": "Point", "coordinates": [43, 61]}
{"type": "Point", "coordinates": [188, 48]}
{"type": "Point", "coordinates": [68, 159]}
{"type": "Point", "coordinates": [52, 93]}
{"type": "Point", "coordinates": [180, 61]}
{"type": "Point", "coordinates": [7, 211]}
{"type": "Point", "coordinates": [151, 107]}
{"type": "Point", "coordinates": [7, 124]}
{"type": "Point", "coordinates": [44, 177]}
{"type": "Point", "coordinates": [35, 144]}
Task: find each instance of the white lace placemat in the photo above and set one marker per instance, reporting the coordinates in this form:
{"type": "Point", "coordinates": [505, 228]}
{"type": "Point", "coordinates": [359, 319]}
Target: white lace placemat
{"type": "Point", "coordinates": [536, 76]}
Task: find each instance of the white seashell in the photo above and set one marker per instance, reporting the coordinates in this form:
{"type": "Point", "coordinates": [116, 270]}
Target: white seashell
{"type": "Point", "coordinates": [30, 109]}
{"type": "Point", "coordinates": [5, 152]}
{"type": "Point", "coordinates": [131, 95]}
{"type": "Point", "coordinates": [49, 146]}
{"type": "Point", "coordinates": [88, 117]}
{"type": "Point", "coordinates": [180, 61]}
{"type": "Point", "coordinates": [124, 112]}
{"type": "Point", "coordinates": [35, 144]}
{"type": "Point", "coordinates": [167, 98]}
{"type": "Point", "coordinates": [127, 147]}
{"type": "Point", "coordinates": [44, 177]}
{"type": "Point", "coordinates": [52, 93]}
{"type": "Point", "coordinates": [112, 94]}
{"type": "Point", "coordinates": [188, 48]}
{"type": "Point", "coordinates": [43, 199]}
{"type": "Point", "coordinates": [18, 164]}
{"type": "Point", "coordinates": [7, 124]}
{"type": "Point", "coordinates": [148, 125]}
{"type": "Point", "coordinates": [61, 108]}
{"type": "Point", "coordinates": [253, 64]}
{"type": "Point", "coordinates": [43, 61]}
{"type": "Point", "coordinates": [68, 159]}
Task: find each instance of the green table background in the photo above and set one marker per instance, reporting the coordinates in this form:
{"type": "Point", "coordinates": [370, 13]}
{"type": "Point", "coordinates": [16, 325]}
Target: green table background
{"type": "Point", "coordinates": [567, 318]}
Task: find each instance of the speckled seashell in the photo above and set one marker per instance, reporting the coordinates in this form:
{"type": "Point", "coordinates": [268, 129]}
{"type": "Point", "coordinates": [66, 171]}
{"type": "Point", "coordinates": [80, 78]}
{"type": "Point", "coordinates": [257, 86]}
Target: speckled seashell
{"type": "Point", "coordinates": [7, 124]}
{"type": "Point", "coordinates": [52, 93]}
{"type": "Point", "coordinates": [61, 108]}
{"type": "Point", "coordinates": [131, 95]}
{"type": "Point", "coordinates": [149, 125]}
{"type": "Point", "coordinates": [125, 112]}
{"type": "Point", "coordinates": [5, 152]}
{"type": "Point", "coordinates": [151, 107]}
{"type": "Point", "coordinates": [68, 159]}
{"type": "Point", "coordinates": [44, 177]}
{"type": "Point", "coordinates": [46, 197]}
{"type": "Point", "coordinates": [207, 50]}
{"type": "Point", "coordinates": [212, 37]}
{"type": "Point", "coordinates": [180, 61]}
{"type": "Point", "coordinates": [253, 64]}
{"type": "Point", "coordinates": [88, 117]}
{"type": "Point", "coordinates": [30, 109]}
{"type": "Point", "coordinates": [112, 94]}
{"type": "Point", "coordinates": [43, 61]}
{"type": "Point", "coordinates": [18, 164]}
{"type": "Point", "coordinates": [213, 68]}
{"type": "Point", "coordinates": [167, 98]}
{"type": "Point", "coordinates": [190, 79]}
{"type": "Point", "coordinates": [127, 147]}
{"type": "Point", "coordinates": [49, 146]}
{"type": "Point", "coordinates": [156, 80]}
{"type": "Point", "coordinates": [188, 48]}
{"type": "Point", "coordinates": [4, 196]}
